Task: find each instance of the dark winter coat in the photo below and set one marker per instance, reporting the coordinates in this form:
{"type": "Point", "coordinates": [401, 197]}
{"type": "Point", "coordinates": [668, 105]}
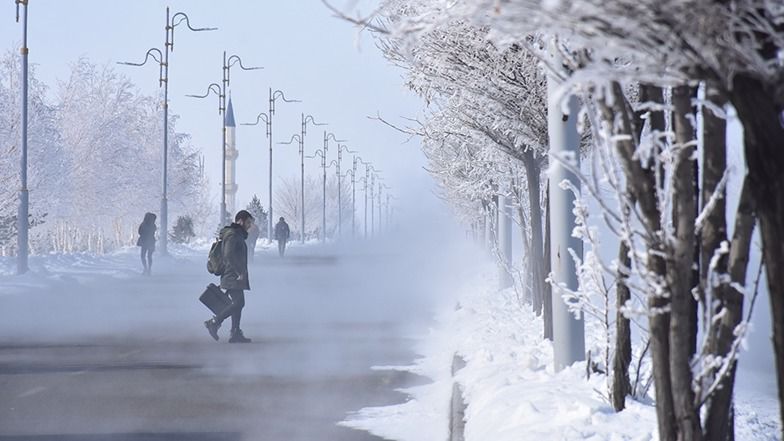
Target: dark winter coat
{"type": "Point", "coordinates": [235, 258]}
{"type": "Point", "coordinates": [282, 231]}
{"type": "Point", "coordinates": [147, 235]}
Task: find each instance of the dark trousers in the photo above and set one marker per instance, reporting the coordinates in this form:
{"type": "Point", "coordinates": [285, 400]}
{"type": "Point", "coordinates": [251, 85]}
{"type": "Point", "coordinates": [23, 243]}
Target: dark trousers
{"type": "Point", "coordinates": [281, 247]}
{"type": "Point", "coordinates": [234, 310]}
{"type": "Point", "coordinates": [147, 258]}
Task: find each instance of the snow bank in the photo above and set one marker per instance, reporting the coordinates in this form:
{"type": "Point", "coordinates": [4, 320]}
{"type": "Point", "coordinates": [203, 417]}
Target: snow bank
{"type": "Point", "coordinates": [511, 390]}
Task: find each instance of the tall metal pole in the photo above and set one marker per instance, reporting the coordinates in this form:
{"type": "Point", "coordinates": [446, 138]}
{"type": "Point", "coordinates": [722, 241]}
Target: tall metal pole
{"type": "Point", "coordinates": [304, 132]}
{"type": "Point", "coordinates": [568, 331]}
{"type": "Point", "coordinates": [24, 195]}
{"type": "Point", "coordinates": [162, 57]}
{"type": "Point", "coordinates": [372, 202]}
{"type": "Point", "coordinates": [302, 179]}
{"type": "Point", "coordinates": [340, 203]}
{"type": "Point", "coordinates": [221, 90]}
{"type": "Point", "coordinates": [269, 129]}
{"type": "Point", "coordinates": [354, 198]}
{"type": "Point", "coordinates": [324, 192]}
{"type": "Point", "coordinates": [386, 213]}
{"type": "Point", "coordinates": [164, 81]}
{"type": "Point", "coordinates": [380, 227]}
{"type": "Point", "coordinates": [273, 96]}
{"type": "Point", "coordinates": [224, 70]}
{"type": "Point", "coordinates": [164, 236]}
{"type": "Point", "coordinates": [367, 177]}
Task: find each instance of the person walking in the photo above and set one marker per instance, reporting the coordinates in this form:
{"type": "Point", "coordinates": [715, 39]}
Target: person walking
{"type": "Point", "coordinates": [147, 241]}
{"type": "Point", "coordinates": [235, 276]}
{"type": "Point", "coordinates": [282, 234]}
{"type": "Point", "coordinates": [253, 237]}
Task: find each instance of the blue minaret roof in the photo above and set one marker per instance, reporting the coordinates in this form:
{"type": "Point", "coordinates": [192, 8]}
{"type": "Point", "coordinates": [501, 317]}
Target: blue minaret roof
{"type": "Point", "coordinates": [230, 115]}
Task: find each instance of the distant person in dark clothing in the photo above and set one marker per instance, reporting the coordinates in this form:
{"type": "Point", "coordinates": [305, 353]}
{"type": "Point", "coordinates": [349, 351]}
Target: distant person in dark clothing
{"type": "Point", "coordinates": [253, 237]}
{"type": "Point", "coordinates": [282, 234]}
{"type": "Point", "coordinates": [147, 241]}
{"type": "Point", "coordinates": [235, 276]}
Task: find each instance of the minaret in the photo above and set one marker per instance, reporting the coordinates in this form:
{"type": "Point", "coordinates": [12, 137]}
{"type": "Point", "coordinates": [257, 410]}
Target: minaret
{"type": "Point", "coordinates": [231, 161]}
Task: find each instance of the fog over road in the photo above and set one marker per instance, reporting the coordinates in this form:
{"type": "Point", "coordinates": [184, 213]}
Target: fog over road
{"type": "Point", "coordinates": [96, 351]}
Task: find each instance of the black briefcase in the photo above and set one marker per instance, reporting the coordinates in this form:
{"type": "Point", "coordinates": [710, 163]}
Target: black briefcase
{"type": "Point", "coordinates": [215, 299]}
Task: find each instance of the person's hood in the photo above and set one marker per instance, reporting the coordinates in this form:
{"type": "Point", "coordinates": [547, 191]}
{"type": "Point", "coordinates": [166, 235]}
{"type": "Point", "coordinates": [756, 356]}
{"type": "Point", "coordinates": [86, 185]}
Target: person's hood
{"type": "Point", "coordinates": [233, 229]}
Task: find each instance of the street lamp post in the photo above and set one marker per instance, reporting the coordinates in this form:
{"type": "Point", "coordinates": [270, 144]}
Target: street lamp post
{"type": "Point", "coordinates": [22, 221]}
{"type": "Point", "coordinates": [273, 96]}
{"type": "Point", "coordinates": [162, 58]}
{"type": "Point", "coordinates": [324, 152]}
{"type": "Point", "coordinates": [228, 63]}
{"type": "Point", "coordinates": [337, 168]}
{"type": "Point", "coordinates": [388, 208]}
{"type": "Point", "coordinates": [353, 197]}
{"type": "Point", "coordinates": [301, 145]}
{"type": "Point", "coordinates": [372, 202]}
{"type": "Point", "coordinates": [320, 153]}
{"type": "Point", "coordinates": [341, 149]}
{"type": "Point", "coordinates": [367, 182]}
{"type": "Point", "coordinates": [301, 140]}
{"type": "Point", "coordinates": [381, 186]}
{"type": "Point", "coordinates": [268, 131]}
{"type": "Point", "coordinates": [305, 121]}
{"type": "Point", "coordinates": [364, 180]}
{"type": "Point", "coordinates": [373, 177]}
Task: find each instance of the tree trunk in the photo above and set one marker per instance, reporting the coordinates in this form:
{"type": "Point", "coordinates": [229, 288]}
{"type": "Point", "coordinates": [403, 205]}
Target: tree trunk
{"type": "Point", "coordinates": [763, 137]}
{"type": "Point", "coordinates": [714, 232]}
{"type": "Point", "coordinates": [623, 334]}
{"type": "Point", "coordinates": [642, 182]}
{"type": "Point", "coordinates": [527, 297]}
{"type": "Point", "coordinates": [535, 215]}
{"type": "Point", "coordinates": [621, 385]}
{"type": "Point", "coordinates": [679, 269]}
{"type": "Point", "coordinates": [719, 422]}
{"type": "Point", "coordinates": [548, 289]}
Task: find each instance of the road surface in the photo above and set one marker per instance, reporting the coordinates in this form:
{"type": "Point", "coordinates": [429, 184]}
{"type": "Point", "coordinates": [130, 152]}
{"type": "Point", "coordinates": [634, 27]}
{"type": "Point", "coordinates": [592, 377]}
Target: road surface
{"type": "Point", "coordinates": [96, 351]}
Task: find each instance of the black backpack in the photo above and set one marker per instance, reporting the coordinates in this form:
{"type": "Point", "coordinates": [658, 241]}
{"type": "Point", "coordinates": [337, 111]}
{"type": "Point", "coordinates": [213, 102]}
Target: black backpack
{"type": "Point", "coordinates": [215, 263]}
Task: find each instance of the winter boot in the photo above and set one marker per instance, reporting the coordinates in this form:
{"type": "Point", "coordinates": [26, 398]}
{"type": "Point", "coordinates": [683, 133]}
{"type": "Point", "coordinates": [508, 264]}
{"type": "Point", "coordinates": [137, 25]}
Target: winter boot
{"type": "Point", "coordinates": [238, 337]}
{"type": "Point", "coordinates": [212, 326]}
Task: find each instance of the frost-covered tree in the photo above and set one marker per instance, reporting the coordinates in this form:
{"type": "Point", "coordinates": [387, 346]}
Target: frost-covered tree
{"type": "Point", "coordinates": [94, 159]}
{"type": "Point", "coordinates": [647, 141]}
{"type": "Point", "coordinates": [259, 214]}
{"type": "Point", "coordinates": [46, 170]}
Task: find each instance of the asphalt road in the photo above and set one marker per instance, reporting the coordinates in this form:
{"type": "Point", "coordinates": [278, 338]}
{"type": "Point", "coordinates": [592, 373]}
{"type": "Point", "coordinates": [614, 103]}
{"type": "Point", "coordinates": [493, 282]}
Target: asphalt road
{"type": "Point", "coordinates": [103, 353]}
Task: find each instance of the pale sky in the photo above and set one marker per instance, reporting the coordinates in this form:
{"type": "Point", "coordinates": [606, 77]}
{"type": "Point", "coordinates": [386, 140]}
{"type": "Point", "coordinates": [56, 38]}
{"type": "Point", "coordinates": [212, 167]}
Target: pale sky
{"type": "Point", "coordinates": [338, 73]}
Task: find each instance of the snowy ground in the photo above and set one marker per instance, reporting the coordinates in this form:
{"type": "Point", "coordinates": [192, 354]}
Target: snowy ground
{"type": "Point", "coordinates": [88, 346]}
{"type": "Point", "coordinates": [91, 349]}
{"type": "Point", "coordinates": [512, 392]}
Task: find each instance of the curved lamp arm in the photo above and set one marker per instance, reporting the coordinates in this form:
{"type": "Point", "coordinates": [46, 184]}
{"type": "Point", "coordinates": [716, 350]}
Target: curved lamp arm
{"type": "Point", "coordinates": [153, 53]}
{"type": "Point", "coordinates": [235, 59]}
{"type": "Point", "coordinates": [230, 62]}
{"type": "Point", "coordinates": [260, 117]}
{"type": "Point", "coordinates": [210, 89]}
{"type": "Point", "coordinates": [178, 19]}
{"type": "Point", "coordinates": [332, 136]}
{"type": "Point", "coordinates": [310, 119]}
{"type": "Point", "coordinates": [316, 153]}
{"type": "Point", "coordinates": [344, 147]}
{"type": "Point", "coordinates": [294, 137]}
{"type": "Point", "coordinates": [156, 55]}
{"type": "Point", "coordinates": [182, 17]}
{"type": "Point", "coordinates": [279, 94]}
